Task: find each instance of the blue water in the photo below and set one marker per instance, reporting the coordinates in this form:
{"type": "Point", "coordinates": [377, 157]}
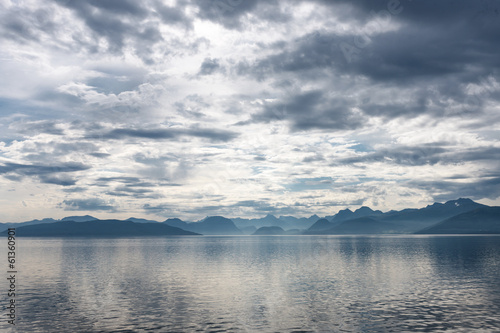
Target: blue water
{"type": "Point", "coordinates": [258, 284]}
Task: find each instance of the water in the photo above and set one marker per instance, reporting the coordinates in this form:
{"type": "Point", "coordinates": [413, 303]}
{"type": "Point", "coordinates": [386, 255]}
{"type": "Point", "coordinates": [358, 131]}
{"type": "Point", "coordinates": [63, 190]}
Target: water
{"type": "Point", "coordinates": [259, 284]}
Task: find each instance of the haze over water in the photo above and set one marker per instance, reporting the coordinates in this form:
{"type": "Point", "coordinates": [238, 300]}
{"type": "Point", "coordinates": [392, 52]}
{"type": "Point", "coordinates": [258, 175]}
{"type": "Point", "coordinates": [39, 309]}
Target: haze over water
{"type": "Point", "coordinates": [259, 284]}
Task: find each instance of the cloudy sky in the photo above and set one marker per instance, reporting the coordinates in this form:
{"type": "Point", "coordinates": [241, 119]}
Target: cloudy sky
{"type": "Point", "coordinates": [189, 108]}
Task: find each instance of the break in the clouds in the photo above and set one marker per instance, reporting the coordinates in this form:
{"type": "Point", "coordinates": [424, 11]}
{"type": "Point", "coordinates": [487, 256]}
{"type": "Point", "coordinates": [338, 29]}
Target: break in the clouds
{"type": "Point", "coordinates": [190, 108]}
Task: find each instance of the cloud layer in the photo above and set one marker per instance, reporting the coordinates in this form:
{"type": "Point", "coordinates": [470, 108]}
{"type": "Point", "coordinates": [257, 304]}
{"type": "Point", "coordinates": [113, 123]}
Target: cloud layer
{"type": "Point", "coordinates": [245, 107]}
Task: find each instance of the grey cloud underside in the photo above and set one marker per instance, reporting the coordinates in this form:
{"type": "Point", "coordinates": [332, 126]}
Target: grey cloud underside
{"type": "Point", "coordinates": [458, 45]}
{"type": "Point", "coordinates": [426, 155]}
{"type": "Point", "coordinates": [48, 174]}
{"type": "Point", "coordinates": [93, 204]}
{"type": "Point", "coordinates": [488, 187]}
{"type": "Point", "coordinates": [134, 187]}
{"type": "Point", "coordinates": [209, 66]}
{"type": "Point", "coordinates": [108, 19]}
{"type": "Point", "coordinates": [329, 83]}
{"type": "Point", "coordinates": [37, 127]}
{"type": "Point", "coordinates": [310, 110]}
{"type": "Point", "coordinates": [166, 134]}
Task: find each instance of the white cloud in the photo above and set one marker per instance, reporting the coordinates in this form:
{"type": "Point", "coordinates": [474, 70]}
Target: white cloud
{"type": "Point", "coordinates": [361, 134]}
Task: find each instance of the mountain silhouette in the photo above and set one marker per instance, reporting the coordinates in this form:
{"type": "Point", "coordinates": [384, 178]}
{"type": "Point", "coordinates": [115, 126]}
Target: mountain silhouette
{"type": "Point", "coordinates": [99, 228]}
{"type": "Point", "coordinates": [4, 226]}
{"type": "Point", "coordinates": [84, 218]}
{"type": "Point", "coordinates": [466, 216]}
{"type": "Point", "coordinates": [248, 230]}
{"type": "Point", "coordinates": [342, 215]}
{"type": "Point", "coordinates": [411, 220]}
{"type": "Point", "coordinates": [320, 225]}
{"type": "Point", "coordinates": [347, 214]}
{"type": "Point", "coordinates": [485, 220]}
{"type": "Point", "coordinates": [284, 222]}
{"type": "Point", "coordinates": [269, 231]}
{"type": "Point", "coordinates": [267, 221]}
{"type": "Point", "coordinates": [175, 222]}
{"type": "Point", "coordinates": [136, 220]}
{"type": "Point", "coordinates": [214, 225]}
{"type": "Point", "coordinates": [359, 226]}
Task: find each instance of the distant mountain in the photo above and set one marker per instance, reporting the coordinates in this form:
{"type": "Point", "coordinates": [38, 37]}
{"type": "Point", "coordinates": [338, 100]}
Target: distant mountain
{"type": "Point", "coordinates": [344, 222]}
{"type": "Point", "coordinates": [267, 221]}
{"type": "Point", "coordinates": [284, 222]}
{"type": "Point", "coordinates": [133, 219]}
{"type": "Point", "coordinates": [178, 223]}
{"type": "Point", "coordinates": [294, 232]}
{"type": "Point", "coordinates": [4, 226]}
{"type": "Point", "coordinates": [412, 220]}
{"type": "Point", "coordinates": [360, 226]}
{"type": "Point", "coordinates": [485, 220]}
{"type": "Point", "coordinates": [84, 218]}
{"type": "Point", "coordinates": [347, 214]}
{"type": "Point", "coordinates": [99, 228]}
{"type": "Point", "coordinates": [342, 215]}
{"type": "Point", "coordinates": [320, 225]}
{"type": "Point", "coordinates": [248, 230]}
{"type": "Point", "coordinates": [269, 231]}
{"type": "Point", "coordinates": [214, 225]}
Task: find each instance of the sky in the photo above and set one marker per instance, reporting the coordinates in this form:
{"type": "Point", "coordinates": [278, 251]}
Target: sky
{"type": "Point", "coordinates": [242, 108]}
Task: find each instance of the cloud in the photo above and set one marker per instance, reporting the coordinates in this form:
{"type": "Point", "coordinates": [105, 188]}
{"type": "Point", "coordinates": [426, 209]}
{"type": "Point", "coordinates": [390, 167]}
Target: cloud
{"type": "Point", "coordinates": [93, 204]}
{"type": "Point", "coordinates": [48, 174]}
{"type": "Point", "coordinates": [426, 155]}
{"type": "Point", "coordinates": [115, 21]}
{"type": "Point", "coordinates": [37, 127]}
{"type": "Point", "coordinates": [226, 12]}
{"type": "Point", "coordinates": [173, 15]}
{"type": "Point", "coordinates": [310, 110]}
{"type": "Point", "coordinates": [241, 107]}
{"type": "Point", "coordinates": [209, 67]}
{"type": "Point", "coordinates": [167, 134]}
{"type": "Point", "coordinates": [443, 190]}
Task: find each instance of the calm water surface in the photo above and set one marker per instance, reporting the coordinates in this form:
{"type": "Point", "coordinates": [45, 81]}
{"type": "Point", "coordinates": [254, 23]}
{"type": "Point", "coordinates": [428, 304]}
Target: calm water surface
{"type": "Point", "coordinates": [259, 284]}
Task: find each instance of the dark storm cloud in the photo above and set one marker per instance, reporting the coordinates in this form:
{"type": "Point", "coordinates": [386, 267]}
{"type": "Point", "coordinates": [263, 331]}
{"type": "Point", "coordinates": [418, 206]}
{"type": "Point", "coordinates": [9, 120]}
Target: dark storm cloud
{"type": "Point", "coordinates": [457, 45]}
{"type": "Point", "coordinates": [310, 110]}
{"type": "Point", "coordinates": [167, 134]}
{"type": "Point", "coordinates": [94, 204]}
{"type": "Point", "coordinates": [404, 55]}
{"type": "Point", "coordinates": [55, 174]}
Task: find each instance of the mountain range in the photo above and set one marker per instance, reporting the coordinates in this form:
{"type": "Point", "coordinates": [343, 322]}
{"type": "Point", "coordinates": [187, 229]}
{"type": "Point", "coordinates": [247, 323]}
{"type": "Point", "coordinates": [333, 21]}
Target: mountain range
{"type": "Point", "coordinates": [462, 216]}
{"type": "Point", "coordinates": [99, 228]}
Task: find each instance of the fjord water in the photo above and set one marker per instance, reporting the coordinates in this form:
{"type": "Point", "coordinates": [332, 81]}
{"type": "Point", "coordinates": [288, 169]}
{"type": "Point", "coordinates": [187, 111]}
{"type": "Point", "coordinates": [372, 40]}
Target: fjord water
{"type": "Point", "coordinates": [259, 284]}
